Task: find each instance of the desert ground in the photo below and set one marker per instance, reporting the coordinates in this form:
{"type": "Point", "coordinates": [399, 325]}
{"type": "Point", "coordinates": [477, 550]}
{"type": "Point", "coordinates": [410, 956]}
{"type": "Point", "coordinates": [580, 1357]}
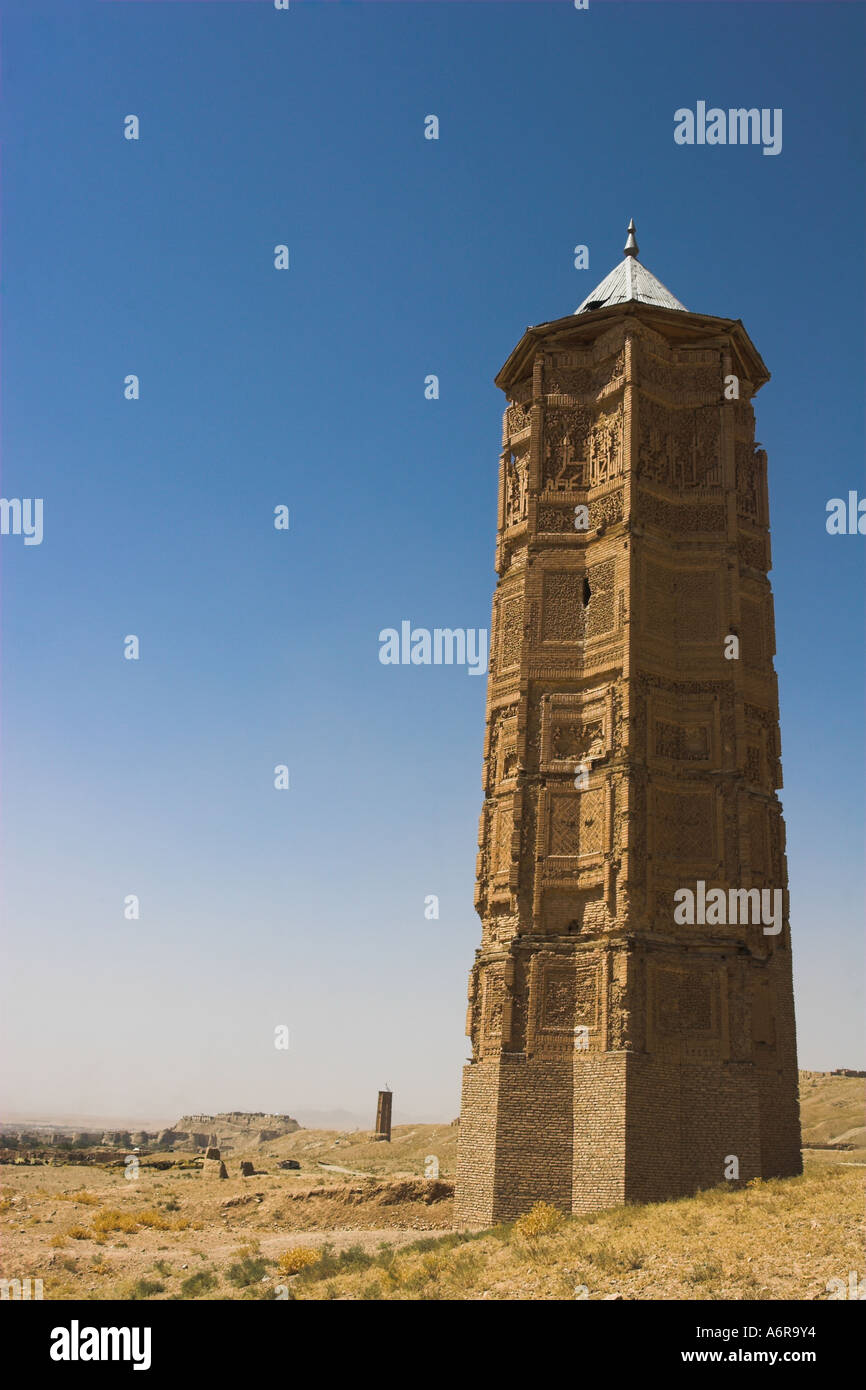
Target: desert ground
{"type": "Point", "coordinates": [360, 1220]}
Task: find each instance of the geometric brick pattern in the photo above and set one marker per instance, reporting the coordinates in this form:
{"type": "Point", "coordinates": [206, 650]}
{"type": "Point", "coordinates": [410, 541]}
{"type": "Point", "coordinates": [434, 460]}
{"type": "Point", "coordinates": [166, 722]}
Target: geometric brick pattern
{"type": "Point", "coordinates": [616, 1054]}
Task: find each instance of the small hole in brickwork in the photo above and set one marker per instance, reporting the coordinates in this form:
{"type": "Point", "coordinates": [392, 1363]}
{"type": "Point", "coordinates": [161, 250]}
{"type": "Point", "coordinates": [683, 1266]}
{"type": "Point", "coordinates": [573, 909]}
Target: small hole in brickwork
{"type": "Point", "coordinates": [587, 592]}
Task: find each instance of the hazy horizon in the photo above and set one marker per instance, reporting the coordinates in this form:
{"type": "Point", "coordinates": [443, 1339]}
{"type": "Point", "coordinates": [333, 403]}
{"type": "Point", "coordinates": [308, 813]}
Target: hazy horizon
{"type": "Point", "coordinates": [306, 1118]}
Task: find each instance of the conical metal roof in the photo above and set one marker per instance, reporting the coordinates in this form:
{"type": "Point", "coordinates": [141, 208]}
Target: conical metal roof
{"type": "Point", "coordinates": [630, 281]}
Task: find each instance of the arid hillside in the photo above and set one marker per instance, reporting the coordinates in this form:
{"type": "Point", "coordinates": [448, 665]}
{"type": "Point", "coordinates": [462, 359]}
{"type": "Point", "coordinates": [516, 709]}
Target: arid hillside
{"type": "Point", "coordinates": [832, 1115]}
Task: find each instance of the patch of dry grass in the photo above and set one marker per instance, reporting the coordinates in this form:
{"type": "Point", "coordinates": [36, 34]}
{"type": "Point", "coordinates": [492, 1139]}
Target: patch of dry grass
{"type": "Point", "coordinates": [294, 1260]}
{"type": "Point", "coordinates": [780, 1239]}
{"type": "Point", "coordinates": [112, 1221]}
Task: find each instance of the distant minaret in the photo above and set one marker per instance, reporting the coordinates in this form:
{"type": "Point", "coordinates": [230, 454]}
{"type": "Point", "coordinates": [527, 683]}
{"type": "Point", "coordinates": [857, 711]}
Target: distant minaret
{"type": "Point", "coordinates": [383, 1116]}
{"type": "Point", "coordinates": [619, 1051]}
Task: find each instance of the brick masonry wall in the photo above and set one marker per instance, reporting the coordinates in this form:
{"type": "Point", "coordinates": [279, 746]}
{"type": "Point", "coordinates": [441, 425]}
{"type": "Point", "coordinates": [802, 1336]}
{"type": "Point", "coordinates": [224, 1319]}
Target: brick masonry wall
{"type": "Point", "coordinates": [550, 1129]}
{"type": "Point", "coordinates": [599, 1131]}
{"type": "Point", "coordinates": [534, 1134]}
{"type": "Point", "coordinates": [684, 1120]}
{"type": "Point", "coordinates": [622, 1053]}
{"type": "Point", "coordinates": [476, 1144]}
{"type": "Point", "coordinates": [595, 1131]}
{"type": "Point", "coordinates": [778, 1083]}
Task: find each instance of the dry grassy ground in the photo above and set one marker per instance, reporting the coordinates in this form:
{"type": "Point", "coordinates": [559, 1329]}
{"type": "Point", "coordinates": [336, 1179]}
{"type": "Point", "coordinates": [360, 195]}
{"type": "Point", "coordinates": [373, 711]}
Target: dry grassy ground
{"type": "Point", "coordinates": [779, 1239]}
{"type": "Point", "coordinates": [405, 1156]}
{"type": "Point", "coordinates": [88, 1232]}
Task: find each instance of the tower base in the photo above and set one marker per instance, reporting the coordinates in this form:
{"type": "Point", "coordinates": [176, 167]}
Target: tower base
{"type": "Point", "coordinates": [588, 1132]}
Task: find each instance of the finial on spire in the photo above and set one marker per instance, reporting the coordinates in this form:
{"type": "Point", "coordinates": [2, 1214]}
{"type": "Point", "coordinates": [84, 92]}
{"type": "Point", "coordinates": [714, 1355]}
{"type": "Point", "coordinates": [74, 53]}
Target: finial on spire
{"type": "Point", "coordinates": [631, 247]}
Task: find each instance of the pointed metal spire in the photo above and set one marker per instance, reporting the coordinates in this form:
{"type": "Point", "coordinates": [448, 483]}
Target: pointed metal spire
{"type": "Point", "coordinates": [630, 281]}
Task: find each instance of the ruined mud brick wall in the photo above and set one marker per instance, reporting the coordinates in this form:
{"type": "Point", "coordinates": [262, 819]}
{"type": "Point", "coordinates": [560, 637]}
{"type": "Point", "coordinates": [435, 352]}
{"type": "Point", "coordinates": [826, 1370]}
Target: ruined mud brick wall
{"type": "Point", "coordinates": [607, 655]}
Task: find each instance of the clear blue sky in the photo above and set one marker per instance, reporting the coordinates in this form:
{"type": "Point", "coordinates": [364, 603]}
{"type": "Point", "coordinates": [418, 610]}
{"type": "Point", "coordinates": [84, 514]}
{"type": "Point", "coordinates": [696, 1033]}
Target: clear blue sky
{"type": "Point", "coordinates": [408, 257]}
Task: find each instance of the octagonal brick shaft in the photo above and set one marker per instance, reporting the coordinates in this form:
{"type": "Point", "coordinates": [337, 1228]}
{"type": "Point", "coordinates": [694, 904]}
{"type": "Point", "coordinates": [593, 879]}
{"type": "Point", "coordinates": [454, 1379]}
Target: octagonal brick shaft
{"type": "Point", "coordinates": [619, 1054]}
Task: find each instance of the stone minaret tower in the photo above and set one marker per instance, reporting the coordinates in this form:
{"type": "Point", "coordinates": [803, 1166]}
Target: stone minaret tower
{"type": "Point", "coordinates": [619, 1051]}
